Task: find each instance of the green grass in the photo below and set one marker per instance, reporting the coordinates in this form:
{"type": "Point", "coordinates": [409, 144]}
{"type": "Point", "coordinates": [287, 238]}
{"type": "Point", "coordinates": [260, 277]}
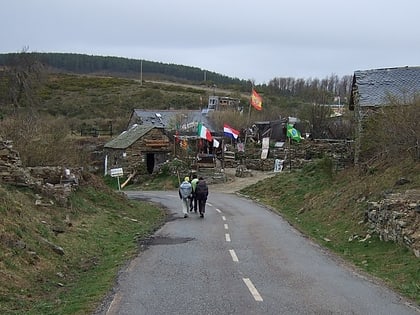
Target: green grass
{"type": "Point", "coordinates": [329, 208]}
{"type": "Point", "coordinates": [103, 236]}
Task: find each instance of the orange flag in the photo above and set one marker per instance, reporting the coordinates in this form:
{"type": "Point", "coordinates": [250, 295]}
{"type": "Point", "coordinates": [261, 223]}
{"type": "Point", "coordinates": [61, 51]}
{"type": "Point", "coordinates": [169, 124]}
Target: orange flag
{"type": "Point", "coordinates": [256, 100]}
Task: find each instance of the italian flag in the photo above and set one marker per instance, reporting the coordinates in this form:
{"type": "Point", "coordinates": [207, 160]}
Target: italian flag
{"type": "Point", "coordinates": [204, 133]}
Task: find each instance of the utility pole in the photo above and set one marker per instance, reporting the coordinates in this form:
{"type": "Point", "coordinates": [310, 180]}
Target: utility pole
{"type": "Point", "coordinates": [141, 72]}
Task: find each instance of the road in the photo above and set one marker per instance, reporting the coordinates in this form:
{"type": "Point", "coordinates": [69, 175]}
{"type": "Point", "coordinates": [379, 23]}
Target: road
{"type": "Point", "coordinates": [240, 259]}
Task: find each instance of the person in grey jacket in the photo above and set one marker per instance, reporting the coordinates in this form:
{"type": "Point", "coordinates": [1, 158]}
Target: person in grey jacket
{"type": "Point", "coordinates": [185, 191]}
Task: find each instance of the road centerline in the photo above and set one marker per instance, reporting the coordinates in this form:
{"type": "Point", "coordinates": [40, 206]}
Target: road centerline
{"type": "Point", "coordinates": [233, 254]}
{"type": "Point", "coordinates": [253, 290]}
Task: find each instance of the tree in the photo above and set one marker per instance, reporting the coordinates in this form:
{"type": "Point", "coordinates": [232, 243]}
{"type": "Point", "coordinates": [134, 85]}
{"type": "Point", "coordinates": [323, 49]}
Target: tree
{"type": "Point", "coordinates": [25, 73]}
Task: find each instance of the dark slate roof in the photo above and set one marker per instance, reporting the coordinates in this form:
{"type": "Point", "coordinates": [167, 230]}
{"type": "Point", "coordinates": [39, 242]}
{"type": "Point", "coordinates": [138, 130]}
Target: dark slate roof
{"type": "Point", "coordinates": [128, 137]}
{"type": "Point", "coordinates": [165, 118]}
{"type": "Point", "coordinates": [375, 87]}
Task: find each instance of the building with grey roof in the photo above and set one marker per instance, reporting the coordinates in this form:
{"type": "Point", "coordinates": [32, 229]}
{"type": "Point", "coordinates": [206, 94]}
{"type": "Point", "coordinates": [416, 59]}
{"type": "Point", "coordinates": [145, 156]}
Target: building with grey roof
{"type": "Point", "coordinates": [184, 120]}
{"type": "Point", "coordinates": [139, 147]}
{"type": "Point", "coordinates": [378, 87]}
{"type": "Point", "coordinates": [372, 89]}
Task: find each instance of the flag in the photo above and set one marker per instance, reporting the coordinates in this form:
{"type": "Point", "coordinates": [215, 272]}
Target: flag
{"type": "Point", "coordinates": [204, 133]}
{"type": "Point", "coordinates": [230, 132]}
{"type": "Point", "coordinates": [256, 100]}
{"type": "Point", "coordinates": [215, 143]}
{"type": "Point", "coordinates": [293, 133]}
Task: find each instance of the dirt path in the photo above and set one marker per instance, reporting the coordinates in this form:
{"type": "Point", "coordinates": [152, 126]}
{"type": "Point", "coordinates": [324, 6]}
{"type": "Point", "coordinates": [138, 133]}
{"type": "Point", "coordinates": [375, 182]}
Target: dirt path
{"type": "Point", "coordinates": [236, 183]}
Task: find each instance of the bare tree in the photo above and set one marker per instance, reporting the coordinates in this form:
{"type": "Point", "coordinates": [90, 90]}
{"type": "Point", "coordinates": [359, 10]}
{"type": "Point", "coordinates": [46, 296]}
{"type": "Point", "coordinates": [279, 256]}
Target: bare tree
{"type": "Point", "coordinates": [25, 76]}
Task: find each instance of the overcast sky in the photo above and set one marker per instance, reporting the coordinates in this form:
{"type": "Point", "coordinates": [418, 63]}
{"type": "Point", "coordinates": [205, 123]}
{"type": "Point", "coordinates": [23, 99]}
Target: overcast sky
{"type": "Point", "coordinates": [257, 40]}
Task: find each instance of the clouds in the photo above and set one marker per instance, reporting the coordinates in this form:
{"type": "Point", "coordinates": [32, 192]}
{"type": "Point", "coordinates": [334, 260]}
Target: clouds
{"type": "Point", "coordinates": [239, 38]}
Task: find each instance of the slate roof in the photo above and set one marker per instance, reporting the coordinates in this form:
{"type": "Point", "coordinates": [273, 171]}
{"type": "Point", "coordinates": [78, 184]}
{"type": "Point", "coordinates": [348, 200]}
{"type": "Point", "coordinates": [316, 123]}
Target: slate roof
{"type": "Point", "coordinates": [374, 87]}
{"type": "Point", "coordinates": [164, 118]}
{"type": "Point", "coordinates": [128, 137]}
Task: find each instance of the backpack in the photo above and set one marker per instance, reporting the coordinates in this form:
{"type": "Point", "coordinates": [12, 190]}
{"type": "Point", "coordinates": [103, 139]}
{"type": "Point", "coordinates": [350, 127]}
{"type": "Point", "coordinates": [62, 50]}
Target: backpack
{"type": "Point", "coordinates": [185, 189]}
{"type": "Point", "coordinates": [201, 190]}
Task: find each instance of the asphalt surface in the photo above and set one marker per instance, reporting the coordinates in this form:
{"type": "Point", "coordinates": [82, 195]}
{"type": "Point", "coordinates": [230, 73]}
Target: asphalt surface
{"type": "Point", "coordinates": [240, 259]}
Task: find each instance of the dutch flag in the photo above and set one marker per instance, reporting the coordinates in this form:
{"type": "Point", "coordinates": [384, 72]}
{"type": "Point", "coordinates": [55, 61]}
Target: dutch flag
{"type": "Point", "coordinates": [230, 132]}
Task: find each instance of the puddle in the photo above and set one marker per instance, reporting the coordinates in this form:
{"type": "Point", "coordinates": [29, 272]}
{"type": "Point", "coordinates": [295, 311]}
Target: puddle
{"type": "Point", "coordinates": [163, 240]}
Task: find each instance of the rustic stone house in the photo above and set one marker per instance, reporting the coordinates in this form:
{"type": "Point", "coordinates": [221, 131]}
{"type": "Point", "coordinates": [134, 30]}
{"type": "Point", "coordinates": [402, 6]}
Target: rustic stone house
{"type": "Point", "coordinates": [140, 148]}
{"type": "Point", "coordinates": [372, 89]}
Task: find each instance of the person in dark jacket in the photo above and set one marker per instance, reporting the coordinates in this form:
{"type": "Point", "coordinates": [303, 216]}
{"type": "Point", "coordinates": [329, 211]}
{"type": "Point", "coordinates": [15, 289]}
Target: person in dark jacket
{"type": "Point", "coordinates": [201, 192]}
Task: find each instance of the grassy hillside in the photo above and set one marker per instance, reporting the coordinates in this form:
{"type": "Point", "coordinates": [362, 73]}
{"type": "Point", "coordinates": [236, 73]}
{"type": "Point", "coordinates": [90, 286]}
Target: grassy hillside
{"type": "Point", "coordinates": [63, 260]}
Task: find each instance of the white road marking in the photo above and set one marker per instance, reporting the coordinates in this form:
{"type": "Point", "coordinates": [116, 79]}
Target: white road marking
{"type": "Point", "coordinates": [227, 236]}
{"type": "Point", "coordinates": [226, 227]}
{"type": "Point", "coordinates": [218, 210]}
{"type": "Point", "coordinates": [115, 302]}
{"type": "Point", "coordinates": [253, 290]}
{"type": "Point", "coordinates": [223, 218]}
{"type": "Point", "coordinates": [209, 204]}
{"type": "Point", "coordinates": [233, 254]}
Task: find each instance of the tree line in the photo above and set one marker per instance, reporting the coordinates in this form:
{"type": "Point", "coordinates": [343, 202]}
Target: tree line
{"type": "Point", "coordinates": [312, 90]}
{"type": "Point", "coordinates": [133, 68]}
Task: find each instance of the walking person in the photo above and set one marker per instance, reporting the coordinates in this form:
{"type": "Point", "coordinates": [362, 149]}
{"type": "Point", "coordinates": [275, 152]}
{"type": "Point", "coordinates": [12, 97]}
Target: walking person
{"type": "Point", "coordinates": [201, 192]}
{"type": "Point", "coordinates": [184, 194]}
{"type": "Point", "coordinates": [193, 200]}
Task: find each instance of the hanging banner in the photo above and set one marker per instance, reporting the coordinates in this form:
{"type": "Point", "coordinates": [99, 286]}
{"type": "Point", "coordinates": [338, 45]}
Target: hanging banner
{"type": "Point", "coordinates": [265, 147]}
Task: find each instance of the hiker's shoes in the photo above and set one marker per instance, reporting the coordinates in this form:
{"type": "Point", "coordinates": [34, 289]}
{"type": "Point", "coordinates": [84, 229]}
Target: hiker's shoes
{"type": "Point", "coordinates": [185, 215]}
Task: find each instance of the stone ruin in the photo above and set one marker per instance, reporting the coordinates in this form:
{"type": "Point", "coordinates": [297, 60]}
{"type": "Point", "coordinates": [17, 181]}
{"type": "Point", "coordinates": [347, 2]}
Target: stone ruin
{"type": "Point", "coordinates": [397, 218]}
{"type": "Point", "coordinates": [55, 183]}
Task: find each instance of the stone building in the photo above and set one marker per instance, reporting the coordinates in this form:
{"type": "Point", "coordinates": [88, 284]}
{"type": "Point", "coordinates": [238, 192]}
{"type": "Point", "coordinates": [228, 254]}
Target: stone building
{"type": "Point", "coordinates": [140, 148]}
{"type": "Point", "coordinates": [372, 89]}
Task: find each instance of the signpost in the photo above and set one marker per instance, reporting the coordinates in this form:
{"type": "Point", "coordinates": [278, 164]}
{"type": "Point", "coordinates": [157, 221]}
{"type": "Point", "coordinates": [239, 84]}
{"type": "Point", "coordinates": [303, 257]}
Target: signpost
{"type": "Point", "coordinates": [117, 172]}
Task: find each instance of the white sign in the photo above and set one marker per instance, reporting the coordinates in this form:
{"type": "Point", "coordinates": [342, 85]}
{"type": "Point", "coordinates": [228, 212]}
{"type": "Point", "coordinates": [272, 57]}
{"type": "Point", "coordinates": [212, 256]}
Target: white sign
{"type": "Point", "coordinates": [115, 172]}
{"type": "Point", "coordinates": [278, 165]}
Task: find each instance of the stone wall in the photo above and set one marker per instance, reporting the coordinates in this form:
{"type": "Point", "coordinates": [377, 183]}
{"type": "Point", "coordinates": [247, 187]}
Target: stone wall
{"type": "Point", "coordinates": [297, 155]}
{"type": "Point", "coordinates": [397, 218]}
{"type": "Point", "coordinates": [11, 170]}
{"type": "Point", "coordinates": [55, 183]}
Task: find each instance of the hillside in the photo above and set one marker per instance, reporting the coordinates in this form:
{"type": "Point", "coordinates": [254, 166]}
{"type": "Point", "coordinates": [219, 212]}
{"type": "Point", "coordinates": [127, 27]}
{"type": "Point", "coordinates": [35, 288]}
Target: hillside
{"type": "Point", "coordinates": [63, 259]}
{"type": "Point", "coordinates": [124, 67]}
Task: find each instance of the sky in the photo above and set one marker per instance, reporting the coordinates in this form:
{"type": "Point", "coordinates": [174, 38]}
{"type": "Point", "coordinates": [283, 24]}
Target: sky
{"type": "Point", "coordinates": [250, 40]}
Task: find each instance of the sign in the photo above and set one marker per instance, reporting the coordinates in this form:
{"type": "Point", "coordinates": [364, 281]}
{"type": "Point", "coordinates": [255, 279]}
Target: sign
{"type": "Point", "coordinates": [265, 147]}
{"type": "Point", "coordinates": [115, 172]}
{"type": "Point", "coordinates": [278, 165]}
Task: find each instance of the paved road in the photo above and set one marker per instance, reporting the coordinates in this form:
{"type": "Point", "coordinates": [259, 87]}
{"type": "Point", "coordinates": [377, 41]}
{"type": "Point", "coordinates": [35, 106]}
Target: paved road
{"type": "Point", "coordinates": [241, 259]}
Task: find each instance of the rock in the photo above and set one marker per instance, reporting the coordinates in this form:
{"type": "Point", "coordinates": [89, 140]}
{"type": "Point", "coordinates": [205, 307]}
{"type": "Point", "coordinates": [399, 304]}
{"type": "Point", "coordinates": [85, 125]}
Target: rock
{"type": "Point", "coordinates": [59, 250]}
{"type": "Point", "coordinates": [402, 181]}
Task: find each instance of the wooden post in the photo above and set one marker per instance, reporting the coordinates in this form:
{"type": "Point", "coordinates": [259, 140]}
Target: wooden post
{"type": "Point", "coordinates": [223, 153]}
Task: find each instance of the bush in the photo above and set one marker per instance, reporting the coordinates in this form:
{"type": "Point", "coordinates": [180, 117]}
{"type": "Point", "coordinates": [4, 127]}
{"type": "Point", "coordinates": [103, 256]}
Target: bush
{"type": "Point", "coordinates": [42, 140]}
{"type": "Point", "coordinates": [392, 133]}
